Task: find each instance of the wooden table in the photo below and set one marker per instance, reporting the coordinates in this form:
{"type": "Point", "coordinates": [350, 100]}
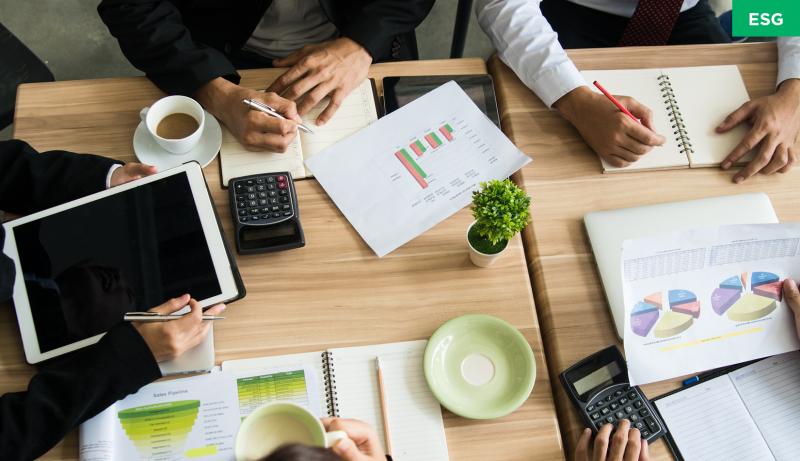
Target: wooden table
{"type": "Point", "coordinates": [566, 182]}
{"type": "Point", "coordinates": [334, 292]}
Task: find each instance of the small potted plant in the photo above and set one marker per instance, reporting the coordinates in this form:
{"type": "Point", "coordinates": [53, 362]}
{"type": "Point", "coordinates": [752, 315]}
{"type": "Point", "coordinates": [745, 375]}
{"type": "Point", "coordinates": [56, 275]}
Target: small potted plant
{"type": "Point", "coordinates": [501, 210]}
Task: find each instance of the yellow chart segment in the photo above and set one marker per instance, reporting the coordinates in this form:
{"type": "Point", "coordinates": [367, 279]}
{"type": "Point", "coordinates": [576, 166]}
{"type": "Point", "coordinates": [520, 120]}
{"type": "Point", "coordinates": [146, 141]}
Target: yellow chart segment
{"type": "Point", "coordinates": [751, 307]}
{"type": "Point", "coordinates": [159, 431]}
{"type": "Point", "coordinates": [672, 323]}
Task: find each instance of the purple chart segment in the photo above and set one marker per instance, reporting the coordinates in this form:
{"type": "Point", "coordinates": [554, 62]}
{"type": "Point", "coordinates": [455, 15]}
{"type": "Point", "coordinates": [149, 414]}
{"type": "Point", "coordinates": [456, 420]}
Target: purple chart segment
{"type": "Point", "coordinates": [642, 323]}
{"type": "Point", "coordinates": [723, 298]}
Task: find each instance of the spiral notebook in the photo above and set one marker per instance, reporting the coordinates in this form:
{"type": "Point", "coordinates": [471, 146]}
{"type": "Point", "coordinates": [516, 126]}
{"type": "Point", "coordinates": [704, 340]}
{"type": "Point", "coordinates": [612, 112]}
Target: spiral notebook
{"type": "Point", "coordinates": [687, 103]}
{"type": "Point", "coordinates": [348, 388]}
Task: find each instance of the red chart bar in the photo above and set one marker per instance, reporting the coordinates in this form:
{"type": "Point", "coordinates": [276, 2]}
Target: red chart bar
{"type": "Point", "coordinates": [410, 168]}
{"type": "Point", "coordinates": [431, 140]}
{"type": "Point", "coordinates": [446, 133]}
{"type": "Point", "coordinates": [416, 149]}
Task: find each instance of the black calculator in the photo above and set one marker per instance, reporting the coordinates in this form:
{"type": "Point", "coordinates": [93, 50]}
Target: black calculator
{"type": "Point", "coordinates": [598, 386]}
{"type": "Point", "coordinates": [265, 213]}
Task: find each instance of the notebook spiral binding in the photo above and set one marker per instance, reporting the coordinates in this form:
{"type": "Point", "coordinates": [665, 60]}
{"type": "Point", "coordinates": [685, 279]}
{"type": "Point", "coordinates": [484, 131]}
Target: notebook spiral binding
{"type": "Point", "coordinates": [675, 116]}
{"type": "Point", "coordinates": [331, 396]}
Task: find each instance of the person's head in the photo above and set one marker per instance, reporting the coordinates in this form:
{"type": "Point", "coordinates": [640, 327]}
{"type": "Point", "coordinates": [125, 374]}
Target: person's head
{"type": "Point", "coordinates": [297, 452]}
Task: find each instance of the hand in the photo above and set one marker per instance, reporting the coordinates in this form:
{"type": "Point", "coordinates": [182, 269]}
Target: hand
{"type": "Point", "coordinates": [775, 121]}
{"type": "Point", "coordinates": [626, 445]}
{"type": "Point", "coordinates": [616, 138]}
{"type": "Point", "coordinates": [130, 172]}
{"type": "Point", "coordinates": [172, 338]}
{"type": "Point", "coordinates": [363, 443]}
{"type": "Point", "coordinates": [792, 295]}
{"type": "Point", "coordinates": [256, 130]}
{"type": "Point", "coordinates": [333, 68]}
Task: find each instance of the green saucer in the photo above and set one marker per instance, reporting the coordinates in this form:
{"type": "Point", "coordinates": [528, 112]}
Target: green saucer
{"type": "Point", "coordinates": [479, 367]}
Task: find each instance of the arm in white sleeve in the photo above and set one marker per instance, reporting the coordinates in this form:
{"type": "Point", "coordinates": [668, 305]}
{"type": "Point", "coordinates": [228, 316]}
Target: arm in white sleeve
{"type": "Point", "coordinates": [526, 42]}
{"type": "Point", "coordinates": [788, 58]}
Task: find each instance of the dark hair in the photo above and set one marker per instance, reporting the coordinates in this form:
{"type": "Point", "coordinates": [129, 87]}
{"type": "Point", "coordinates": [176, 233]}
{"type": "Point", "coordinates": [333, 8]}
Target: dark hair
{"type": "Point", "coordinates": [297, 452]}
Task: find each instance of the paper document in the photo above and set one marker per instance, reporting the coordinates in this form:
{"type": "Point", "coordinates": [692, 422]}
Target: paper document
{"type": "Point", "coordinates": [706, 298]}
{"type": "Point", "coordinates": [415, 167]}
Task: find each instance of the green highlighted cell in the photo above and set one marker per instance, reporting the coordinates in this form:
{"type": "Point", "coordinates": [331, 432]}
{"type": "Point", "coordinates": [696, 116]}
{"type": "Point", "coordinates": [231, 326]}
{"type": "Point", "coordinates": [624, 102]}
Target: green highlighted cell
{"type": "Point", "coordinates": [159, 429]}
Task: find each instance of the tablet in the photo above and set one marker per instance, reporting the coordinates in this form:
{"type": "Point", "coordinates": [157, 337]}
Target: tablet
{"type": "Point", "coordinates": [399, 91]}
{"type": "Point", "coordinates": [81, 265]}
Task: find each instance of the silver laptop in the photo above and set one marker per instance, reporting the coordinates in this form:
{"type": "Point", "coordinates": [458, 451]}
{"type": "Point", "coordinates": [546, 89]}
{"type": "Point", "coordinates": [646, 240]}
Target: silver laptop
{"type": "Point", "coordinates": [608, 229]}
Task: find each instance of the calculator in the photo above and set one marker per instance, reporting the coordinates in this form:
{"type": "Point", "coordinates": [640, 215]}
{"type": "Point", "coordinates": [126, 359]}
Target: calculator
{"type": "Point", "coordinates": [598, 386]}
{"type": "Point", "coordinates": [265, 213]}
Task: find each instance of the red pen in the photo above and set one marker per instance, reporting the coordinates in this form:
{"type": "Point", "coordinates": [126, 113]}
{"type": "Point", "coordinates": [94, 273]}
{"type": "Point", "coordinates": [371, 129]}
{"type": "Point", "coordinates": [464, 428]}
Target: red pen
{"type": "Point", "coordinates": [615, 101]}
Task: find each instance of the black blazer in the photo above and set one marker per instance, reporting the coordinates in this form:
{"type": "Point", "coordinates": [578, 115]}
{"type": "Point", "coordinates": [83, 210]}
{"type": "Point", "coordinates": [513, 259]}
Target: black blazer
{"type": "Point", "coordinates": [73, 388]}
{"type": "Point", "coordinates": [183, 44]}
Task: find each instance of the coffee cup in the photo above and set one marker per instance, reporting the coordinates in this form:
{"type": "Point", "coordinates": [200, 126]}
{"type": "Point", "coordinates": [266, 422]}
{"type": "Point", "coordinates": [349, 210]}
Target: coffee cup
{"type": "Point", "coordinates": [279, 423]}
{"type": "Point", "coordinates": [175, 122]}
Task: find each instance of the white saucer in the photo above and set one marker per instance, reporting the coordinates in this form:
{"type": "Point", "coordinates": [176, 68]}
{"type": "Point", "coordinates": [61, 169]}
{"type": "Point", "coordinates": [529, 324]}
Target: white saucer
{"type": "Point", "coordinates": [148, 151]}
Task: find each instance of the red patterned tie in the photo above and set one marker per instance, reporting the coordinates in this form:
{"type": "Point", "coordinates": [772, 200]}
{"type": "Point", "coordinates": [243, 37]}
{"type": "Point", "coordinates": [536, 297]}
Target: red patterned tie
{"type": "Point", "coordinates": [651, 23]}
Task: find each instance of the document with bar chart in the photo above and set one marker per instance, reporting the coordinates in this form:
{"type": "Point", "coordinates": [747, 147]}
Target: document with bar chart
{"type": "Point", "coordinates": [705, 298]}
{"type": "Point", "coordinates": [415, 167]}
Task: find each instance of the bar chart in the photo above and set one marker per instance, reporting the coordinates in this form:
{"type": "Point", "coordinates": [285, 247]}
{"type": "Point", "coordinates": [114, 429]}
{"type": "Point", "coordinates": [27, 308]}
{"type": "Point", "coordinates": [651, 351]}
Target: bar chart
{"type": "Point", "coordinates": [434, 142]}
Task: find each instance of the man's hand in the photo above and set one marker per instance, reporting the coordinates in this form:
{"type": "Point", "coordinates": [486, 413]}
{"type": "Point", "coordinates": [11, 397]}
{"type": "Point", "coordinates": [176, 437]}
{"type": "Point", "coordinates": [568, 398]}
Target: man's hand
{"type": "Point", "coordinates": [626, 444]}
{"type": "Point", "coordinates": [775, 122]}
{"type": "Point", "coordinates": [616, 138]}
{"type": "Point", "coordinates": [363, 443]}
{"type": "Point", "coordinates": [172, 338]}
{"type": "Point", "coordinates": [257, 131]}
{"type": "Point", "coordinates": [333, 69]}
{"type": "Point", "coordinates": [130, 172]}
{"type": "Point", "coordinates": [792, 295]}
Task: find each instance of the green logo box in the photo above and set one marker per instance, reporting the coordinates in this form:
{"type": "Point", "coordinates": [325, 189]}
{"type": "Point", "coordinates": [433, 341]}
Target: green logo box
{"type": "Point", "coordinates": [766, 18]}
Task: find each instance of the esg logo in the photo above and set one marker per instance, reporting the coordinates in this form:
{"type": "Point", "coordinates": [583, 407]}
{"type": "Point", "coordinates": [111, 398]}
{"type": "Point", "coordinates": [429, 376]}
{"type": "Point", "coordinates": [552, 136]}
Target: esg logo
{"type": "Point", "coordinates": [765, 19]}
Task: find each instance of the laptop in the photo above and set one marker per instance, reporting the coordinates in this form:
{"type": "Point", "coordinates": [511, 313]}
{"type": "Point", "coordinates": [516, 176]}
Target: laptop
{"type": "Point", "coordinates": [608, 229]}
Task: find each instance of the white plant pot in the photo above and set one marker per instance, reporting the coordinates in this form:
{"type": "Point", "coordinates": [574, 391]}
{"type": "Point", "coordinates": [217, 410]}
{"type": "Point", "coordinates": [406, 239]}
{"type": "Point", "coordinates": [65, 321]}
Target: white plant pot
{"type": "Point", "coordinates": [482, 259]}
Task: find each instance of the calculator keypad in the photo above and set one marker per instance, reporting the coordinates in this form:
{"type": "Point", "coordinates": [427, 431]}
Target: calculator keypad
{"type": "Point", "coordinates": [263, 200]}
{"type": "Point", "coordinates": [614, 405]}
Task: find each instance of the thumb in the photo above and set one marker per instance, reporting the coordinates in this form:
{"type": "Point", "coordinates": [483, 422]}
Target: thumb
{"type": "Point", "coordinates": [792, 295]}
{"type": "Point", "coordinates": [735, 118]}
{"type": "Point", "coordinates": [141, 170]}
{"type": "Point", "coordinates": [348, 451]}
{"type": "Point", "coordinates": [640, 111]}
{"type": "Point", "coordinates": [172, 305]}
{"type": "Point", "coordinates": [288, 61]}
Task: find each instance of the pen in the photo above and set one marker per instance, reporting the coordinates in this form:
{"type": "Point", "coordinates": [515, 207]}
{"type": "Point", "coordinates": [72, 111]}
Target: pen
{"type": "Point", "coordinates": [384, 412]}
{"type": "Point", "coordinates": [156, 317]}
{"type": "Point", "coordinates": [260, 106]}
{"type": "Point", "coordinates": [615, 101]}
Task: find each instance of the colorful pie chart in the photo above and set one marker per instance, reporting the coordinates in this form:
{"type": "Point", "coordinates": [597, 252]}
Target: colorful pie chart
{"type": "Point", "coordinates": [650, 316]}
{"type": "Point", "coordinates": [747, 297]}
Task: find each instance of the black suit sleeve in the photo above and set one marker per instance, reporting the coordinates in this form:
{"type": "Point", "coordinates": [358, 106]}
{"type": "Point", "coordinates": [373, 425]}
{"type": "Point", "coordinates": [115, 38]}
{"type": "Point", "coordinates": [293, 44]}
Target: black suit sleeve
{"type": "Point", "coordinates": [31, 182]}
{"type": "Point", "coordinates": [67, 393]}
{"type": "Point", "coordinates": [153, 37]}
{"type": "Point", "coordinates": [379, 22]}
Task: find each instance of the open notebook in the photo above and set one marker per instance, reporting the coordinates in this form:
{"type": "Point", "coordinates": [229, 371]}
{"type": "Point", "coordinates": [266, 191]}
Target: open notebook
{"type": "Point", "coordinates": [359, 109]}
{"type": "Point", "coordinates": [752, 413]}
{"type": "Point", "coordinates": [687, 103]}
{"type": "Point", "coordinates": [199, 416]}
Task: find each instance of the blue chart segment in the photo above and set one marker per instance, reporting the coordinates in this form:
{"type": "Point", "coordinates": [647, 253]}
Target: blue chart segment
{"type": "Point", "coordinates": [650, 317]}
{"type": "Point", "coordinates": [744, 303]}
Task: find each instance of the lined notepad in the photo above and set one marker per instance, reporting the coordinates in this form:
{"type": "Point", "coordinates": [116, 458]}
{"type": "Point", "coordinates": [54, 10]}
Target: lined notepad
{"type": "Point", "coordinates": [688, 103]}
{"type": "Point", "coordinates": [752, 413]}
{"type": "Point", "coordinates": [358, 110]}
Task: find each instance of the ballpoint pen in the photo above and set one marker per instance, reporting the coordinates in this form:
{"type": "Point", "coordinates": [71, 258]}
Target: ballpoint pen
{"type": "Point", "coordinates": [156, 317]}
{"type": "Point", "coordinates": [260, 106]}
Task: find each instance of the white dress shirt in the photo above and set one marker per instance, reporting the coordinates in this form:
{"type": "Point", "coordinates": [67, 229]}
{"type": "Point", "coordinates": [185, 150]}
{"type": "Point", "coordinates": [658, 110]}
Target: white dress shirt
{"type": "Point", "coordinates": [528, 45]}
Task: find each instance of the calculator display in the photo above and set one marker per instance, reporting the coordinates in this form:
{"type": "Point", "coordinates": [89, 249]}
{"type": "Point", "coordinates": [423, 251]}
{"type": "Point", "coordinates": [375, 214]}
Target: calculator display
{"type": "Point", "coordinates": [601, 377]}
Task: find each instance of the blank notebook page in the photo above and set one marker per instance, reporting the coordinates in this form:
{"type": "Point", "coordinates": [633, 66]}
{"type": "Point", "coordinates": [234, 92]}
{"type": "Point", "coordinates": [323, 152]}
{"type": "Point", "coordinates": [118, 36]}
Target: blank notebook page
{"type": "Point", "coordinates": [709, 422]}
{"type": "Point", "coordinates": [415, 418]}
{"type": "Point", "coordinates": [771, 391]}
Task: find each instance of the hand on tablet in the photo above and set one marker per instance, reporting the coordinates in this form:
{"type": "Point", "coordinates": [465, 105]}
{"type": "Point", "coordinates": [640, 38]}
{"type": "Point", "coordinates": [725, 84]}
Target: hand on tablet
{"type": "Point", "coordinates": [363, 443]}
{"type": "Point", "coordinates": [130, 172]}
{"type": "Point", "coordinates": [625, 445]}
{"type": "Point", "coordinates": [168, 340]}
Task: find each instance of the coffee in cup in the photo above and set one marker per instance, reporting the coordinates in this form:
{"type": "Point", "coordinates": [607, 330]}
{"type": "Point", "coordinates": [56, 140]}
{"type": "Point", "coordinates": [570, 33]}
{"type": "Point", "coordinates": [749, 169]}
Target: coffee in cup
{"type": "Point", "coordinates": [175, 122]}
{"type": "Point", "coordinates": [177, 126]}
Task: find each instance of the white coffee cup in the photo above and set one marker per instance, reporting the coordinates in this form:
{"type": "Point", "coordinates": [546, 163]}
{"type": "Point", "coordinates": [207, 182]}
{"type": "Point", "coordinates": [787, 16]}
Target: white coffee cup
{"type": "Point", "coordinates": [169, 105]}
{"type": "Point", "coordinates": [279, 423]}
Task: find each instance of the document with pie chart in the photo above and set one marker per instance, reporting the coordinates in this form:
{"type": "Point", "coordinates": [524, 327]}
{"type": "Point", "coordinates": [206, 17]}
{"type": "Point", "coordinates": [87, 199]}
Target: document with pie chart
{"type": "Point", "coordinates": [706, 298]}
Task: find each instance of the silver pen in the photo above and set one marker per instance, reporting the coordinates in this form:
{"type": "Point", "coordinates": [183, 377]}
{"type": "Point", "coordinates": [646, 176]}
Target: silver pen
{"type": "Point", "coordinates": [156, 317]}
{"type": "Point", "coordinates": [260, 106]}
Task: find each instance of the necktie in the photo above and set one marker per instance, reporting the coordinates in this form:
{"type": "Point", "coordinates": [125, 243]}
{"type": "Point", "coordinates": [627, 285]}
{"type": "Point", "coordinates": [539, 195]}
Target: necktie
{"type": "Point", "coordinates": [651, 23]}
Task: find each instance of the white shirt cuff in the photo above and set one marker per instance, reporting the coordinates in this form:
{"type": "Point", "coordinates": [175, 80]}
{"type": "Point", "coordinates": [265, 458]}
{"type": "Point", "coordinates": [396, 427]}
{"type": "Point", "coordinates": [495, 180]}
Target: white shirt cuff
{"type": "Point", "coordinates": [553, 83]}
{"type": "Point", "coordinates": [111, 172]}
{"type": "Point", "coordinates": [788, 58]}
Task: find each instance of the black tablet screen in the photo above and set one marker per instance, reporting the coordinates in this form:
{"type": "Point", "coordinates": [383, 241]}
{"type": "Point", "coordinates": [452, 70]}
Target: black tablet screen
{"type": "Point", "coordinates": [86, 266]}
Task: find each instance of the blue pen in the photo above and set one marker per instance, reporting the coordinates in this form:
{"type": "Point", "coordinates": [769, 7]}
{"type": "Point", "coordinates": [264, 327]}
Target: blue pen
{"type": "Point", "coordinates": [692, 380]}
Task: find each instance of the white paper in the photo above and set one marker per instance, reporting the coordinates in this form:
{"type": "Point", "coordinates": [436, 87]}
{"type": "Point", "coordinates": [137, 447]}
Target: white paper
{"type": "Point", "coordinates": [710, 323]}
{"type": "Point", "coordinates": [379, 194]}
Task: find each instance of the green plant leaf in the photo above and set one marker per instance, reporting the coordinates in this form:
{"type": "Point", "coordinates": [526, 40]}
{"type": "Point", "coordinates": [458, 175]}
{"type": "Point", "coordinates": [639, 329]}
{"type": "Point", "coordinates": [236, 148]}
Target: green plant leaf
{"type": "Point", "coordinates": [501, 210]}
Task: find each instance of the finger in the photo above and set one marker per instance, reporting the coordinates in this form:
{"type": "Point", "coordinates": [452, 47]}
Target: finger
{"type": "Point", "coordinates": [140, 169]}
{"type": "Point", "coordinates": [191, 322]}
{"type": "Point", "coordinates": [261, 123]}
{"type": "Point", "coordinates": [348, 451]}
{"type": "Point", "coordinates": [303, 86]}
{"type": "Point", "coordinates": [736, 117]}
{"type": "Point", "coordinates": [333, 105]}
{"type": "Point", "coordinates": [601, 442]}
{"type": "Point", "coordinates": [634, 146]}
{"type": "Point", "coordinates": [790, 163]}
{"type": "Point", "coordinates": [215, 310]}
{"type": "Point", "coordinates": [644, 455]}
{"type": "Point", "coordinates": [748, 143]}
{"type": "Point", "coordinates": [634, 446]}
{"type": "Point", "coordinates": [286, 107]}
{"type": "Point", "coordinates": [289, 60]}
{"type": "Point", "coordinates": [619, 441]}
{"type": "Point", "coordinates": [315, 96]}
{"type": "Point", "coordinates": [792, 295]}
{"type": "Point", "coordinates": [639, 110]}
{"type": "Point", "coordinates": [616, 161]}
{"type": "Point", "coordinates": [582, 450]}
{"type": "Point", "coordinates": [761, 160]}
{"type": "Point", "coordinates": [265, 141]}
{"type": "Point", "coordinates": [779, 160]}
{"type": "Point", "coordinates": [288, 78]}
{"type": "Point", "coordinates": [172, 305]}
{"type": "Point", "coordinates": [642, 133]}
{"type": "Point", "coordinates": [625, 154]}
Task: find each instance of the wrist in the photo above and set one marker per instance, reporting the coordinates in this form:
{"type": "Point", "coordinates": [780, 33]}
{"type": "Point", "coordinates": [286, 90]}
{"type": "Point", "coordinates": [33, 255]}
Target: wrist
{"type": "Point", "coordinates": [350, 47]}
{"type": "Point", "coordinates": [215, 94]}
{"type": "Point", "coordinates": [790, 88]}
{"type": "Point", "coordinates": [571, 104]}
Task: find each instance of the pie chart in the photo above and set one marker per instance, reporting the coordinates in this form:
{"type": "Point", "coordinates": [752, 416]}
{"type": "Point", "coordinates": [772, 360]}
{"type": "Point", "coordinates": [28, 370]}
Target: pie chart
{"type": "Point", "coordinates": [650, 315]}
{"type": "Point", "coordinates": [740, 304]}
